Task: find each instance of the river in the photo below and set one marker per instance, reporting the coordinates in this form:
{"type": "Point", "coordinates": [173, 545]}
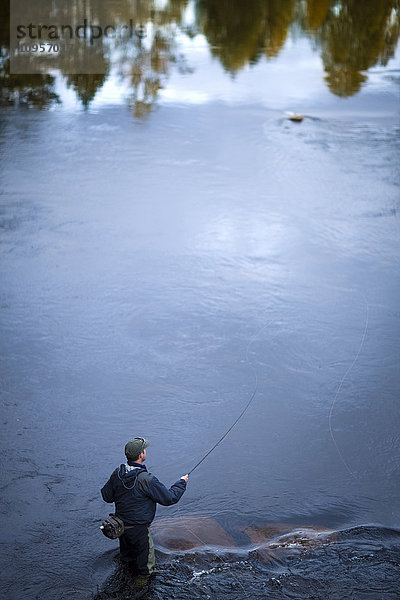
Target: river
{"type": "Point", "coordinates": [171, 242]}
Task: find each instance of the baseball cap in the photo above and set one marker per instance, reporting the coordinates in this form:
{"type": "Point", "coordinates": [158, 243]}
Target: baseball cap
{"type": "Point", "coordinates": [134, 447]}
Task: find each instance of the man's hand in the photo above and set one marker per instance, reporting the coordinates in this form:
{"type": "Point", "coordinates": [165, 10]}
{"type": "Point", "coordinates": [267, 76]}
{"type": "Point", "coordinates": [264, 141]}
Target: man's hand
{"type": "Point", "coordinates": [185, 477]}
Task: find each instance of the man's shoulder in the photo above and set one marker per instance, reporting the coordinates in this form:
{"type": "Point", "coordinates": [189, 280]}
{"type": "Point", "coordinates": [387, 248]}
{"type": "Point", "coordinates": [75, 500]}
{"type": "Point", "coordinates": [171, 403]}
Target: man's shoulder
{"type": "Point", "coordinates": [145, 478]}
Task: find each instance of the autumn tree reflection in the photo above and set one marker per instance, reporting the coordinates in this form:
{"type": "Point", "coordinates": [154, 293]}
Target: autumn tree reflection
{"type": "Point", "coordinates": [86, 86]}
{"type": "Point", "coordinates": [279, 16]}
{"type": "Point", "coordinates": [147, 70]}
{"type": "Point", "coordinates": [30, 90]}
{"type": "Point", "coordinates": [316, 13]}
{"type": "Point", "coordinates": [355, 37]}
{"type": "Point", "coordinates": [234, 30]}
{"type": "Point", "coordinates": [241, 32]}
{"type": "Point", "coordinates": [146, 59]}
{"type": "Point", "coordinates": [351, 36]}
{"type": "Point", "coordinates": [146, 62]}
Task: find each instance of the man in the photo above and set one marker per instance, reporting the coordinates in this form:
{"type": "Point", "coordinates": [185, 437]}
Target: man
{"type": "Point", "coordinates": [136, 493]}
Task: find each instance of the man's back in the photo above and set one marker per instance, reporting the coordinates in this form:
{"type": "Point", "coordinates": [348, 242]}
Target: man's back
{"type": "Point", "coordinates": [136, 492]}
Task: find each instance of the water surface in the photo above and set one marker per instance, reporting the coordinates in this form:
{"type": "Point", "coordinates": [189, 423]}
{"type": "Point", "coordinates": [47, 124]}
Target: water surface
{"type": "Point", "coordinates": [148, 238]}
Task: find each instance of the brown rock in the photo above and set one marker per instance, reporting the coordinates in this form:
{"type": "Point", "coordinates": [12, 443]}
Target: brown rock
{"type": "Point", "coordinates": [192, 531]}
{"type": "Point", "coordinates": [275, 541]}
{"type": "Point", "coordinates": [296, 117]}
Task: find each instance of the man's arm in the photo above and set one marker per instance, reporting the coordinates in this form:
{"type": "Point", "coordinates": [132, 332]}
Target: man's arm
{"type": "Point", "coordinates": [159, 493]}
{"type": "Point", "coordinates": [107, 491]}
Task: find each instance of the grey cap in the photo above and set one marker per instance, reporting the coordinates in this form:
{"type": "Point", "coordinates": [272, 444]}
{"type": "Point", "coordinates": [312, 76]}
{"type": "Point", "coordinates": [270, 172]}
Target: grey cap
{"type": "Point", "coordinates": [134, 447]}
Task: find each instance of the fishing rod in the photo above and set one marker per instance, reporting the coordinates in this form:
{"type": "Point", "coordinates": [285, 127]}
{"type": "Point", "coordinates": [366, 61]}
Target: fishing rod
{"type": "Point", "coordinates": [221, 439]}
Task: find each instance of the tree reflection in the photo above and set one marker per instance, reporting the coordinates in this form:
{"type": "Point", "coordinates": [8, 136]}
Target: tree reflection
{"type": "Point", "coordinates": [30, 90]}
{"type": "Point", "coordinates": [278, 19]}
{"type": "Point", "coordinates": [147, 70]}
{"type": "Point", "coordinates": [234, 30]}
{"type": "Point", "coordinates": [352, 36]}
{"type": "Point", "coordinates": [239, 33]}
{"type": "Point", "coordinates": [316, 13]}
{"type": "Point", "coordinates": [86, 86]}
{"type": "Point", "coordinates": [145, 61]}
{"type": "Point", "coordinates": [355, 37]}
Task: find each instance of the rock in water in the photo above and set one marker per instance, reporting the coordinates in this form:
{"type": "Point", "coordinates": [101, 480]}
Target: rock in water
{"type": "Point", "coordinates": [269, 541]}
{"type": "Point", "coordinates": [275, 541]}
{"type": "Point", "coordinates": [187, 532]}
{"type": "Point", "coordinates": [297, 117]}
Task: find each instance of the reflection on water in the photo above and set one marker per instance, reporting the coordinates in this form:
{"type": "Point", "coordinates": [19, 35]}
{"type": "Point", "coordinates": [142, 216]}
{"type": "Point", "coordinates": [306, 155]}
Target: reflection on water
{"type": "Point", "coordinates": [85, 86]}
{"type": "Point", "coordinates": [240, 33]}
{"type": "Point", "coordinates": [355, 37]}
{"type": "Point", "coordinates": [350, 36]}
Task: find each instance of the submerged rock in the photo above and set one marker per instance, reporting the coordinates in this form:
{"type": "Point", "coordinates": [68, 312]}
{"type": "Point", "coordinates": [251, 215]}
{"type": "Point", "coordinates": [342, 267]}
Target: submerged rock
{"type": "Point", "coordinates": [274, 541]}
{"type": "Point", "coordinates": [271, 532]}
{"type": "Point", "coordinates": [269, 540]}
{"type": "Point", "coordinates": [188, 532]}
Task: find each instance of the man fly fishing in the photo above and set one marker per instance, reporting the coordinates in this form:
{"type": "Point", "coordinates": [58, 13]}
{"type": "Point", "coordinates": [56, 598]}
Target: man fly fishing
{"type": "Point", "coordinates": [136, 493]}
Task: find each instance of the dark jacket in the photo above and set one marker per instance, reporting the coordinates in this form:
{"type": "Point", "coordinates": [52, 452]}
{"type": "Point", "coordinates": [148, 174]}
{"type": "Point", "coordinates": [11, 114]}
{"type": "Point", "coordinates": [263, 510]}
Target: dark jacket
{"type": "Point", "coordinates": [136, 492]}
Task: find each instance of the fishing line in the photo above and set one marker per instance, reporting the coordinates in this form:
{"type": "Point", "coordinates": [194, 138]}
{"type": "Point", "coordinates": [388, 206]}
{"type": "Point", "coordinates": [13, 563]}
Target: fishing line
{"type": "Point", "coordinates": [341, 385]}
{"type": "Point", "coordinates": [338, 392]}
{"type": "Point", "coordinates": [248, 403]}
{"type": "Point", "coordinates": [225, 435]}
{"type": "Point", "coordinates": [339, 388]}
